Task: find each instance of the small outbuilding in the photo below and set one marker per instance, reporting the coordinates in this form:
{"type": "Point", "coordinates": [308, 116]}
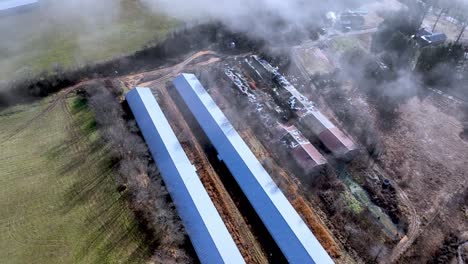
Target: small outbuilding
{"type": "Point", "coordinates": [426, 38]}
{"type": "Point", "coordinates": [433, 40]}
{"type": "Point", "coordinates": [422, 32]}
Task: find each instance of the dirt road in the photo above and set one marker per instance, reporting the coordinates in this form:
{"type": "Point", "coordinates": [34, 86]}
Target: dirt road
{"type": "Point", "coordinates": [413, 219]}
{"type": "Point", "coordinates": [160, 76]}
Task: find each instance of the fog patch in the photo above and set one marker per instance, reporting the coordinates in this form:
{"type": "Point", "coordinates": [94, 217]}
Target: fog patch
{"type": "Point", "coordinates": [265, 19]}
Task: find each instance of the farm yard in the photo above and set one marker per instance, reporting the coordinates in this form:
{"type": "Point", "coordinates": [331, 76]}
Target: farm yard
{"type": "Point", "coordinates": [360, 125]}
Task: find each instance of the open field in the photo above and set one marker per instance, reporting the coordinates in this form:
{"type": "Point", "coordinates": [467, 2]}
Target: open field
{"type": "Point", "coordinates": [56, 34]}
{"type": "Point", "coordinates": [59, 202]}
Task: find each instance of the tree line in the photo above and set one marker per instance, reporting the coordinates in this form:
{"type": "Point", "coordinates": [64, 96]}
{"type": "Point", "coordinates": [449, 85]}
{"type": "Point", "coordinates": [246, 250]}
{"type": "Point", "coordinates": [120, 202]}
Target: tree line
{"type": "Point", "coordinates": [137, 177]}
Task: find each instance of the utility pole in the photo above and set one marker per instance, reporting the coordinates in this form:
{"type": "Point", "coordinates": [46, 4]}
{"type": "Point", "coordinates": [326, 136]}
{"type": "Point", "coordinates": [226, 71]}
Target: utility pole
{"type": "Point", "coordinates": [442, 10]}
{"type": "Point", "coordinates": [426, 7]}
{"type": "Point", "coordinates": [465, 24]}
{"type": "Point", "coordinates": [462, 17]}
{"type": "Point", "coordinates": [423, 16]}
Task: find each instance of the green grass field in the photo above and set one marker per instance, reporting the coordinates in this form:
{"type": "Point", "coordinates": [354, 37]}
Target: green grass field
{"type": "Point", "coordinates": [345, 44]}
{"type": "Point", "coordinates": [45, 37]}
{"type": "Point", "coordinates": [58, 199]}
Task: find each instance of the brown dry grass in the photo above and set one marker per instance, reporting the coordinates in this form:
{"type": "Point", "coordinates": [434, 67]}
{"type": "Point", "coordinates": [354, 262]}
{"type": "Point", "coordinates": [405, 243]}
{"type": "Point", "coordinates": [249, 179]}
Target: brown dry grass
{"type": "Point", "coordinates": [320, 231]}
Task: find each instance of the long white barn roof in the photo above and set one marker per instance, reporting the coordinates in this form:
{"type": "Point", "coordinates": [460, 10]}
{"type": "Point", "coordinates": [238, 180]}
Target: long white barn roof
{"type": "Point", "coordinates": [209, 235]}
{"type": "Point", "coordinates": [11, 4]}
{"type": "Point", "coordinates": [289, 231]}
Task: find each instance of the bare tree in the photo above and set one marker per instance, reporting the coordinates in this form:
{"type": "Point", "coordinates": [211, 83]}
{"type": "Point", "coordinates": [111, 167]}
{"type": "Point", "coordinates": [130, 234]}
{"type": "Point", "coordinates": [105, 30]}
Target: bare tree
{"type": "Point", "coordinates": [460, 12]}
{"type": "Point", "coordinates": [137, 176]}
{"type": "Point", "coordinates": [465, 24]}
{"type": "Point", "coordinates": [442, 11]}
{"type": "Point", "coordinates": [424, 7]}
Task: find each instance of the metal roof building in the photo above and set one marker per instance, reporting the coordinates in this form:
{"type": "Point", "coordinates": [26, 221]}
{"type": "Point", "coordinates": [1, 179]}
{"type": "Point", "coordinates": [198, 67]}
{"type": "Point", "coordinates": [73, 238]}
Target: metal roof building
{"type": "Point", "coordinates": [310, 117]}
{"type": "Point", "coordinates": [209, 235]}
{"type": "Point", "coordinates": [426, 38]}
{"type": "Point", "coordinates": [289, 231]}
{"type": "Point", "coordinates": [306, 155]}
{"type": "Point", "coordinates": [433, 39]}
{"type": "Point", "coordinates": [11, 5]}
{"type": "Point", "coordinates": [422, 32]}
